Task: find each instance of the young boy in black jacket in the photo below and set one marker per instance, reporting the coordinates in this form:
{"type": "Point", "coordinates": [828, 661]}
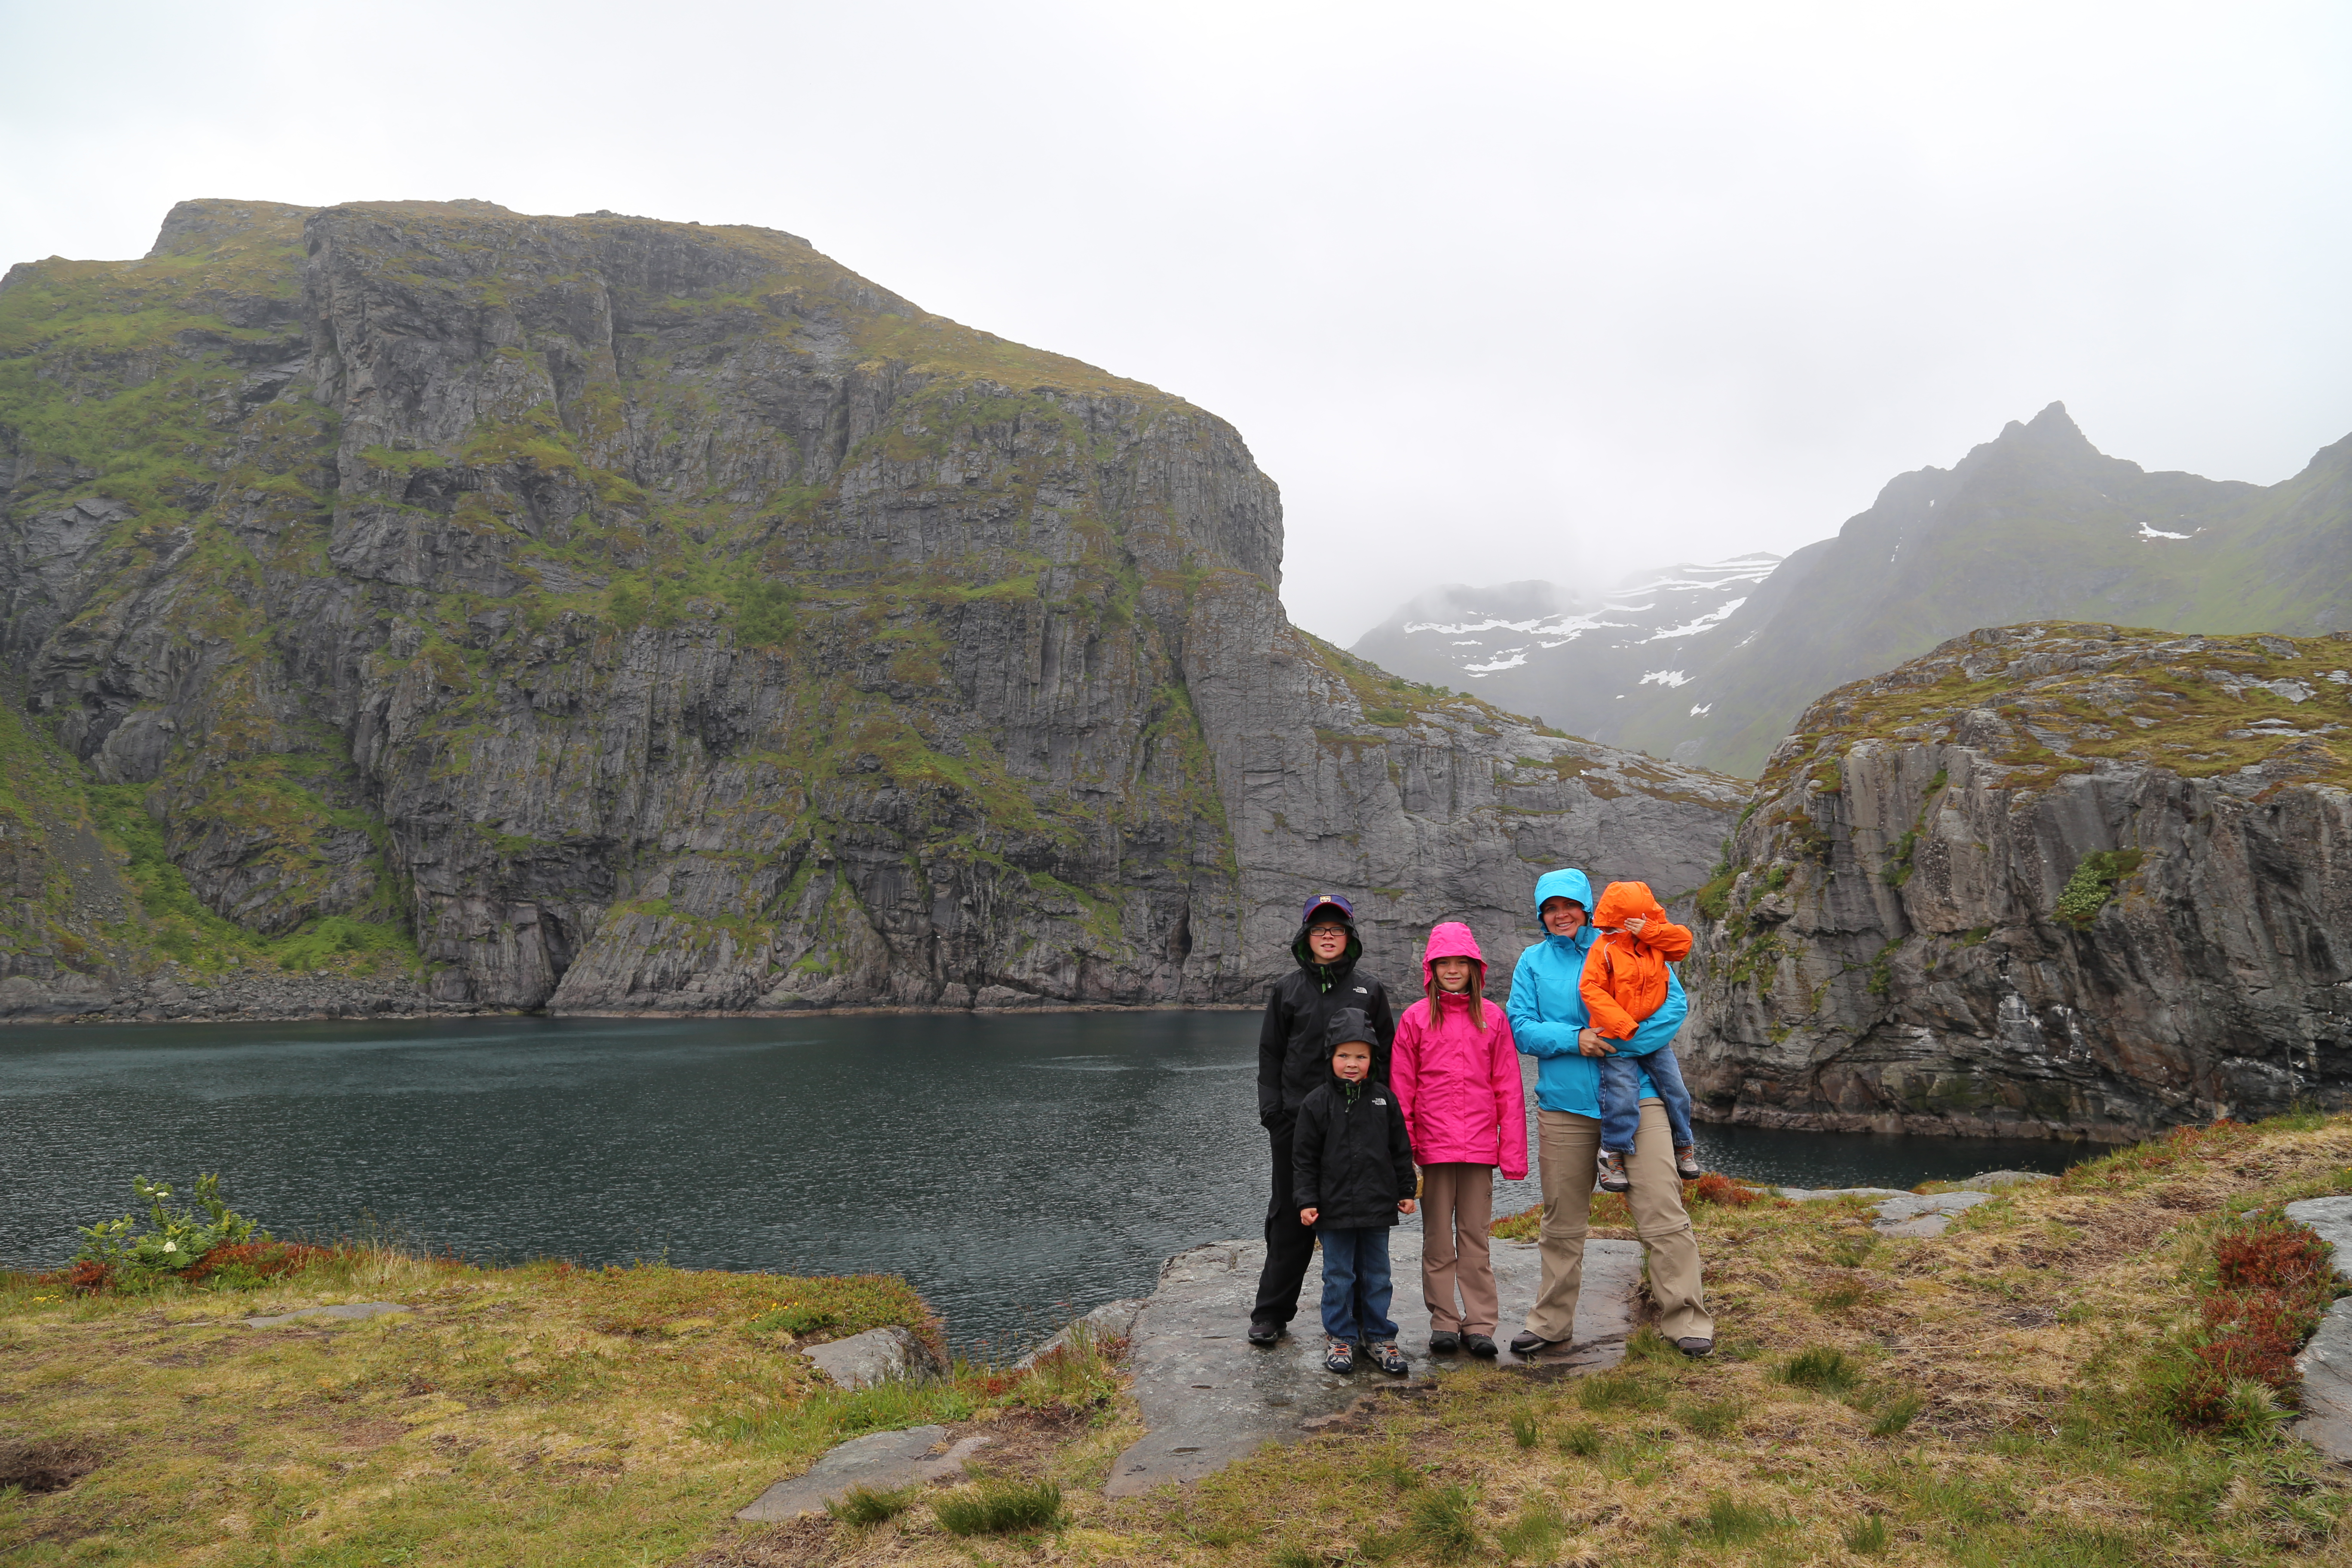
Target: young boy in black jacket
{"type": "Point", "coordinates": [1293, 1058]}
{"type": "Point", "coordinates": [1353, 1173]}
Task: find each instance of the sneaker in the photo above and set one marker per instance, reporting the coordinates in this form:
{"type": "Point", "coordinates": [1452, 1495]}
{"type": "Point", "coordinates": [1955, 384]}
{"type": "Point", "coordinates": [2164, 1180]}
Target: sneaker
{"type": "Point", "coordinates": [1613, 1178]}
{"type": "Point", "coordinates": [1695, 1345]}
{"type": "Point", "coordinates": [1264, 1333]}
{"type": "Point", "coordinates": [1479, 1344]}
{"type": "Point", "coordinates": [1340, 1356]}
{"type": "Point", "coordinates": [1442, 1343]}
{"type": "Point", "coordinates": [1531, 1343]}
{"type": "Point", "coordinates": [1389, 1359]}
{"type": "Point", "coordinates": [1686, 1165]}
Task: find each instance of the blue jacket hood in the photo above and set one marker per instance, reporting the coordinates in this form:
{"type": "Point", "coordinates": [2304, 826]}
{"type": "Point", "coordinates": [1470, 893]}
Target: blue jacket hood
{"type": "Point", "coordinates": [1568, 882]}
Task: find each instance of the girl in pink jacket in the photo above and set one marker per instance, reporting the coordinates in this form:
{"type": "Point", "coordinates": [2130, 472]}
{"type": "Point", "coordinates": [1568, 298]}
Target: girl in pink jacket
{"type": "Point", "coordinates": [1456, 1076]}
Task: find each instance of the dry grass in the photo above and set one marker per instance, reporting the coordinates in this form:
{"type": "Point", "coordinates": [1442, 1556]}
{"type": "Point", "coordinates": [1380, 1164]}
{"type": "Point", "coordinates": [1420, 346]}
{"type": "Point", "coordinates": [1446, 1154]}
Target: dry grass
{"type": "Point", "coordinates": [540, 1415]}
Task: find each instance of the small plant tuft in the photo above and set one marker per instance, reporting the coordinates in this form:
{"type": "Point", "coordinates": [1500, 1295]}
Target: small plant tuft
{"type": "Point", "coordinates": [1868, 1536]}
{"type": "Point", "coordinates": [1535, 1536]}
{"type": "Point", "coordinates": [870, 1505]}
{"type": "Point", "coordinates": [1822, 1369]}
{"type": "Point", "coordinates": [1525, 1429]}
{"type": "Point", "coordinates": [1444, 1522]}
{"type": "Point", "coordinates": [1898, 1416]}
{"type": "Point", "coordinates": [1584, 1440]}
{"type": "Point", "coordinates": [1710, 1419]}
{"type": "Point", "coordinates": [1732, 1523]}
{"type": "Point", "coordinates": [1001, 1506]}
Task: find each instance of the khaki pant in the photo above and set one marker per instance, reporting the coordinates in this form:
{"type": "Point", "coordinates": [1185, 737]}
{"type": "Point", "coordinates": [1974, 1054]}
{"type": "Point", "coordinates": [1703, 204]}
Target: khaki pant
{"type": "Point", "coordinates": [1567, 1146]}
{"type": "Point", "coordinates": [1457, 1204]}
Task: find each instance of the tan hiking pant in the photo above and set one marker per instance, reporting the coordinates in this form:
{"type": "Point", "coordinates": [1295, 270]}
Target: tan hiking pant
{"type": "Point", "coordinates": [1457, 1204]}
{"type": "Point", "coordinates": [1567, 1145]}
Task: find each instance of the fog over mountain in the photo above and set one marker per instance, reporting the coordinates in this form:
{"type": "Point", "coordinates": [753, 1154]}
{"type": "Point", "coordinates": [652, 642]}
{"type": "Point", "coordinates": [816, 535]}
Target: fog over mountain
{"type": "Point", "coordinates": [1543, 648]}
{"type": "Point", "coordinates": [1497, 292]}
{"type": "Point", "coordinates": [1710, 665]}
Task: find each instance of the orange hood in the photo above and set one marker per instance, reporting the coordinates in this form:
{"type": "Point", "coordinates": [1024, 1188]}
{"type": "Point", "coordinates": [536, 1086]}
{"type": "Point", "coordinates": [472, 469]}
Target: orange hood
{"type": "Point", "coordinates": [1623, 901]}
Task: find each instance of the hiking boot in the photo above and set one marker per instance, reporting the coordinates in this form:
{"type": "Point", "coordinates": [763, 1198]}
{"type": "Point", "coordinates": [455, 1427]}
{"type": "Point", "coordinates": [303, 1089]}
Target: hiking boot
{"type": "Point", "coordinates": [1686, 1165]}
{"type": "Point", "coordinates": [1613, 1178]}
{"type": "Point", "coordinates": [1479, 1344]}
{"type": "Point", "coordinates": [1444, 1344]}
{"type": "Point", "coordinates": [1531, 1343]}
{"type": "Point", "coordinates": [1264, 1333]}
{"type": "Point", "coordinates": [1340, 1356]}
{"type": "Point", "coordinates": [1389, 1359]}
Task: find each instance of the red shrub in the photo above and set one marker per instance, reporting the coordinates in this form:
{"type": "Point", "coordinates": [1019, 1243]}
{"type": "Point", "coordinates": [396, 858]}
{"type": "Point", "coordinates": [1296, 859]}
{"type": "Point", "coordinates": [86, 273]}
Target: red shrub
{"type": "Point", "coordinates": [87, 1277]}
{"type": "Point", "coordinates": [2273, 1285]}
{"type": "Point", "coordinates": [1715, 1187]}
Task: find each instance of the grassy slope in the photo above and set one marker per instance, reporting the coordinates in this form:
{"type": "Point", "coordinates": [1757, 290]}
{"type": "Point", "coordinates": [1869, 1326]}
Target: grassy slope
{"type": "Point", "coordinates": [619, 1416]}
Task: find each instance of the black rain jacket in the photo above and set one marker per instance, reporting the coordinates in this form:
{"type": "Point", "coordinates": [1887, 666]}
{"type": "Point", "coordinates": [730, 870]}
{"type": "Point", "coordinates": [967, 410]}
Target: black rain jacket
{"type": "Point", "coordinates": [1350, 1157]}
{"type": "Point", "coordinates": [1292, 1055]}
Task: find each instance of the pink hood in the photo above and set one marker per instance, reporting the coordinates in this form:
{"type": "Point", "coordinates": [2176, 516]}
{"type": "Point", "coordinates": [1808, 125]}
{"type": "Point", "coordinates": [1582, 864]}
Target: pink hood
{"type": "Point", "coordinates": [1451, 938]}
{"type": "Point", "coordinates": [1458, 1085]}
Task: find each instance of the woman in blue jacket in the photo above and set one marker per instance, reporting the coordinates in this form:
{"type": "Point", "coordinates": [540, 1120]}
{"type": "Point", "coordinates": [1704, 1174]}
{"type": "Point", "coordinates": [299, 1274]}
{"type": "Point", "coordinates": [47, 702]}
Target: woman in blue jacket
{"type": "Point", "coordinates": [1548, 1022]}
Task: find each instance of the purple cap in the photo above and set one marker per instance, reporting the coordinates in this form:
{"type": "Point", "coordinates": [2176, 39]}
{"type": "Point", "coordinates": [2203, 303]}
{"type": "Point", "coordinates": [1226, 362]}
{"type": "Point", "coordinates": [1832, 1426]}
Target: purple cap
{"type": "Point", "coordinates": [1333, 901]}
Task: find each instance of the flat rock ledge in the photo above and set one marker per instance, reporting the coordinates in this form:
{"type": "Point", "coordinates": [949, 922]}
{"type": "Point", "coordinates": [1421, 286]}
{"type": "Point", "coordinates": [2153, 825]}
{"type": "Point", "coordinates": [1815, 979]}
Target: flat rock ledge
{"type": "Point", "coordinates": [1210, 1397]}
{"type": "Point", "coordinates": [356, 1311]}
{"type": "Point", "coordinates": [1907, 1213]}
{"type": "Point", "coordinates": [881, 1460]}
{"type": "Point", "coordinates": [2326, 1361]}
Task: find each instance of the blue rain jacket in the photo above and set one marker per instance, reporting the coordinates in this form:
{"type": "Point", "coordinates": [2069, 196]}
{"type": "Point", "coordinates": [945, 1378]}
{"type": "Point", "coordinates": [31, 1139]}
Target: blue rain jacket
{"type": "Point", "coordinates": [1547, 1010]}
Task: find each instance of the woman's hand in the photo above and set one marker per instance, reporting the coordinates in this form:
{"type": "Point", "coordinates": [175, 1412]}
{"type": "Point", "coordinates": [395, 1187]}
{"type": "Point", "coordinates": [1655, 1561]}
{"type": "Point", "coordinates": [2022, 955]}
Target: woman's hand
{"type": "Point", "coordinates": [1307, 1217]}
{"type": "Point", "coordinates": [1404, 1205]}
{"type": "Point", "coordinates": [1592, 1043]}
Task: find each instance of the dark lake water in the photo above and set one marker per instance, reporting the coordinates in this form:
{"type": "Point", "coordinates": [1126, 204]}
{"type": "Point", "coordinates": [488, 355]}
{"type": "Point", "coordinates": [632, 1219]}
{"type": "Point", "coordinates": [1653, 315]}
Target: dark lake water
{"type": "Point", "coordinates": [1011, 1168]}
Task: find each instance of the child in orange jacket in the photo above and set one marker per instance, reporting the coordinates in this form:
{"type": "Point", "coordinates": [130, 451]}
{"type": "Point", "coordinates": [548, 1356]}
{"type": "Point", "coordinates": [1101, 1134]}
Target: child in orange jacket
{"type": "Point", "coordinates": [1629, 980]}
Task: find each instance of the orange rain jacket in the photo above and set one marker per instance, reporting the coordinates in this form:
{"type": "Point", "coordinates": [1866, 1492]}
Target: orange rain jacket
{"type": "Point", "coordinates": [1625, 975]}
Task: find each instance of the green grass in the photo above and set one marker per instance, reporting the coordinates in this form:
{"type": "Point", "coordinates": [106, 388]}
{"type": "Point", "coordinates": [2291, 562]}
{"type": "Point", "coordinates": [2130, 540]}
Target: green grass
{"type": "Point", "coordinates": [1001, 1506]}
{"type": "Point", "coordinates": [1822, 1369]}
{"type": "Point", "coordinates": [863, 1505]}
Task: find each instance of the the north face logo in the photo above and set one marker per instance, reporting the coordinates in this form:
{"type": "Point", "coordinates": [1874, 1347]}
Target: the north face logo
{"type": "Point", "coordinates": [1379, 1103]}
{"type": "Point", "coordinates": [1361, 992]}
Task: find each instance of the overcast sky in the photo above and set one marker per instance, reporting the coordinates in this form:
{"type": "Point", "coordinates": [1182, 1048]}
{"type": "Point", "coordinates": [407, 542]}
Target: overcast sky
{"type": "Point", "coordinates": [1493, 291]}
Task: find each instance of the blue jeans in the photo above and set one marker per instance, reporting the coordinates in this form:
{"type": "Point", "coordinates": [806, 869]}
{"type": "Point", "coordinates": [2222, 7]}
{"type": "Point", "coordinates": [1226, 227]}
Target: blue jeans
{"type": "Point", "coordinates": [1356, 1286]}
{"type": "Point", "coordinates": [1620, 1098]}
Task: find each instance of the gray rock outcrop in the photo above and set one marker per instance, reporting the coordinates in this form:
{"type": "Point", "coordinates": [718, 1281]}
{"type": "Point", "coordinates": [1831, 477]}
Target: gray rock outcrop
{"type": "Point", "coordinates": [646, 617]}
{"type": "Point", "coordinates": [2048, 880]}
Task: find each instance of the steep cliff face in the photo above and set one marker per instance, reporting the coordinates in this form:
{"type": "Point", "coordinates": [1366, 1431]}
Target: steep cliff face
{"type": "Point", "coordinates": [604, 614]}
{"type": "Point", "coordinates": [2054, 878]}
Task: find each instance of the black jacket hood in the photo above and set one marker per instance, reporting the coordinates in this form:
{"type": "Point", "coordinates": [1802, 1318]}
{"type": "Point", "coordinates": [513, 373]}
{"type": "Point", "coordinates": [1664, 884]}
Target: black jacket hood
{"type": "Point", "coordinates": [1326, 975]}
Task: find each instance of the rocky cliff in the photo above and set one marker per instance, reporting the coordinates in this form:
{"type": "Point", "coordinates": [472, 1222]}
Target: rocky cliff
{"type": "Point", "coordinates": [442, 607]}
{"type": "Point", "coordinates": [2054, 878]}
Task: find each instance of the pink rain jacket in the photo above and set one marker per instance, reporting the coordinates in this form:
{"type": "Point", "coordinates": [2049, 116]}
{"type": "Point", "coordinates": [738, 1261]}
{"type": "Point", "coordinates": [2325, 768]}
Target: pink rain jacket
{"type": "Point", "coordinates": [1459, 1085]}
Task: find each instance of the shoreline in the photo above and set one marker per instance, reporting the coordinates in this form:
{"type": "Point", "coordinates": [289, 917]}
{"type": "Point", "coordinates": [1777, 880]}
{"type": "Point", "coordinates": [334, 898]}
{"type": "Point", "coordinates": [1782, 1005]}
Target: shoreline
{"type": "Point", "coordinates": [88, 1020]}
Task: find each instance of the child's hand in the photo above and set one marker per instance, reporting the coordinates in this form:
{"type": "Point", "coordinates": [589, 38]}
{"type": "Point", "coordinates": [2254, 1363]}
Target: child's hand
{"type": "Point", "coordinates": [1632, 926]}
{"type": "Point", "coordinates": [1307, 1217]}
{"type": "Point", "coordinates": [1404, 1205]}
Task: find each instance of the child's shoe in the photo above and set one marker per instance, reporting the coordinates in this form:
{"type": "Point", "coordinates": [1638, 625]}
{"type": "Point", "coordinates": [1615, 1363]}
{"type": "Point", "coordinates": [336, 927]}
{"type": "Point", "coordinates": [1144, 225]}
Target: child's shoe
{"type": "Point", "coordinates": [1340, 1356]}
{"type": "Point", "coordinates": [1613, 1178]}
{"type": "Point", "coordinates": [1443, 1342]}
{"type": "Point", "coordinates": [1687, 1163]}
{"type": "Point", "coordinates": [1389, 1359]}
